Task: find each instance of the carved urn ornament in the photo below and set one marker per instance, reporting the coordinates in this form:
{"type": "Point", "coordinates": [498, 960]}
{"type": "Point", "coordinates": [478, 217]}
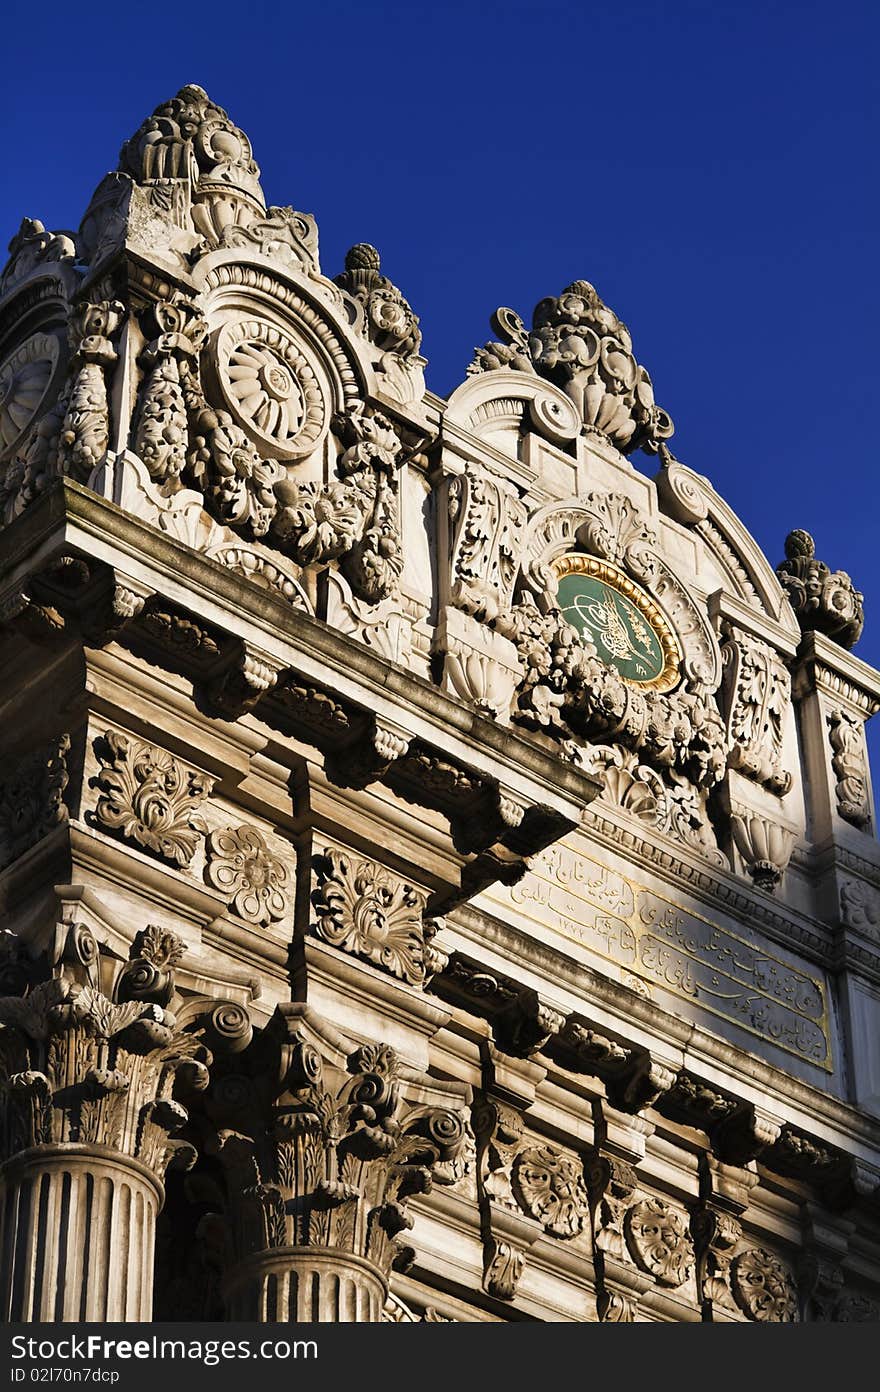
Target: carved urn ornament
{"type": "Point", "coordinates": [823, 600]}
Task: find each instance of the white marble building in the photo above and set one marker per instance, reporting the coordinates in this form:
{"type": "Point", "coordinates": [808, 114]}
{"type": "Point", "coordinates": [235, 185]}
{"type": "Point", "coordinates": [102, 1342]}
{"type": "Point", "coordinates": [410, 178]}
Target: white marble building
{"type": "Point", "coordinates": [438, 860]}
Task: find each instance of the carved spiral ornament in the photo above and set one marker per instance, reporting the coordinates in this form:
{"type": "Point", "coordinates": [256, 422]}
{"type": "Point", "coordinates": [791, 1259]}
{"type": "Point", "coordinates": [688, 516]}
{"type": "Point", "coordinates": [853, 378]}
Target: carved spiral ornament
{"type": "Point", "coordinates": [25, 379]}
{"type": "Point", "coordinates": [271, 388]}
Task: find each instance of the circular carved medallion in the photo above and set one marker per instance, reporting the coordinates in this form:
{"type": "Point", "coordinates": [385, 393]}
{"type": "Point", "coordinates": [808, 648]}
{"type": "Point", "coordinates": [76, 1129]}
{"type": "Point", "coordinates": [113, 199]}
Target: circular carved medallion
{"type": "Point", "coordinates": [629, 630]}
{"type": "Point", "coordinates": [25, 379]}
{"type": "Point", "coordinates": [657, 1237]}
{"type": "Point", "coordinates": [271, 388]}
{"type": "Point", "coordinates": [551, 1188]}
{"type": "Point", "coordinates": [762, 1287]}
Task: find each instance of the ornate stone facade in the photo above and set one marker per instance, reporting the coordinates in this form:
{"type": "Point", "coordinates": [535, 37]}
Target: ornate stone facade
{"type": "Point", "coordinates": [437, 859]}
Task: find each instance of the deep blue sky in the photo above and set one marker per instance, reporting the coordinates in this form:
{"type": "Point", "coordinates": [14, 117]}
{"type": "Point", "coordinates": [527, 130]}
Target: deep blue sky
{"type": "Point", "coordinates": [711, 168]}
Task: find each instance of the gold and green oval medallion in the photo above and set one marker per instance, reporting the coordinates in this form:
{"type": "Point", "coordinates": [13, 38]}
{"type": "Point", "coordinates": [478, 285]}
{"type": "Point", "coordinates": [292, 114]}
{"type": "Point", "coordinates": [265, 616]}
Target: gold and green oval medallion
{"type": "Point", "coordinates": [630, 631]}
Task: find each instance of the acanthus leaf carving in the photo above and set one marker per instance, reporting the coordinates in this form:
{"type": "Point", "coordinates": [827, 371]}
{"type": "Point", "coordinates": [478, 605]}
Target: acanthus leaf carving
{"type": "Point", "coordinates": [150, 797]}
{"type": "Point", "coordinates": [657, 1237]}
{"type": "Point", "coordinates": [550, 1187]}
{"type": "Point", "coordinates": [364, 909]}
{"type": "Point", "coordinates": [763, 1287]}
{"type": "Point", "coordinates": [85, 432]}
{"type": "Point", "coordinates": [32, 798]}
{"type": "Point", "coordinates": [577, 342]}
{"type": "Point", "coordinates": [822, 601]}
{"type": "Point", "coordinates": [847, 739]}
{"type": "Point", "coordinates": [757, 699]}
{"type": "Point", "coordinates": [78, 1067]}
{"type": "Point", "coordinates": [34, 246]}
{"type": "Point", "coordinates": [259, 884]}
{"type": "Point", "coordinates": [321, 1151]}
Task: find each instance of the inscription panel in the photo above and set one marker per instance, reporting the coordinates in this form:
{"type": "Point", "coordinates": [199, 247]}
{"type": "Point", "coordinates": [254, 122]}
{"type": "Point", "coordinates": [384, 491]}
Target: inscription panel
{"type": "Point", "coordinates": [675, 949]}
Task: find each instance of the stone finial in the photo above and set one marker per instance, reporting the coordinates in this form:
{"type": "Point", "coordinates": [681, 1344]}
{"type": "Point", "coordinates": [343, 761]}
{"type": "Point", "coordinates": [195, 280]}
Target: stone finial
{"type": "Point", "coordinates": [191, 143]}
{"type": "Point", "coordinates": [389, 319]}
{"type": "Point", "coordinates": [580, 344]}
{"type": "Point", "coordinates": [823, 601]}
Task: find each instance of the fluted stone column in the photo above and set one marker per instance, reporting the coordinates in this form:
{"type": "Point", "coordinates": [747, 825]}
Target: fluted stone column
{"type": "Point", "coordinates": [77, 1234]}
{"type": "Point", "coordinates": [305, 1285]}
{"type": "Point", "coordinates": [86, 1119]}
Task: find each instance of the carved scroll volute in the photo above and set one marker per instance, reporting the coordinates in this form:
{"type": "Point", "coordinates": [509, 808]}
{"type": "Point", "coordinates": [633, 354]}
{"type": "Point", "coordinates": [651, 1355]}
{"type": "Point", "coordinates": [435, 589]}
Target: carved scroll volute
{"type": "Point", "coordinates": [321, 1151]}
{"type": "Point", "coordinates": [85, 433]}
{"type": "Point", "coordinates": [850, 766]}
{"type": "Point", "coordinates": [506, 1232]}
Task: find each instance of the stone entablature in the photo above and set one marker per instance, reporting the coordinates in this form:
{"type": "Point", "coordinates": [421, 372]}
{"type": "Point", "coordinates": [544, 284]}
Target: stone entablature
{"type": "Point", "coordinates": [427, 820]}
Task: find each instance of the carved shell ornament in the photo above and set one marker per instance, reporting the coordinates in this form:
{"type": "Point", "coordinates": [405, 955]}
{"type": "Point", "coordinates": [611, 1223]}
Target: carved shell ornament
{"type": "Point", "coordinates": [270, 388]}
{"type": "Point", "coordinates": [25, 379]}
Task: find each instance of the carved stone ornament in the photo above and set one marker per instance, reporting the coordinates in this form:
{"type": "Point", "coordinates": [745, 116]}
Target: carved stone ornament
{"type": "Point", "coordinates": [33, 246]}
{"type": "Point", "coordinates": [85, 433]}
{"type": "Point", "coordinates": [860, 908]}
{"type": "Point", "coordinates": [823, 601]}
{"type": "Point", "coordinates": [353, 519]}
{"type": "Point", "coordinates": [270, 387]}
{"type": "Point", "coordinates": [388, 319]}
{"type": "Point", "coordinates": [568, 689]}
{"type": "Point", "coordinates": [32, 798]}
{"type": "Point", "coordinates": [668, 802]}
{"type": "Point", "coordinates": [757, 699]}
{"type": "Point", "coordinates": [364, 909]}
{"type": "Point", "coordinates": [849, 763]}
{"type": "Point", "coordinates": [488, 520]}
{"type": "Point", "coordinates": [763, 1287]}
{"type": "Point", "coordinates": [150, 797]}
{"type": "Point", "coordinates": [658, 1239]}
{"type": "Point", "coordinates": [580, 344]}
{"type": "Point", "coordinates": [344, 1150]}
{"type": "Point", "coordinates": [717, 1235]}
{"type": "Point", "coordinates": [259, 885]}
{"type": "Point", "coordinates": [764, 844]}
{"type": "Point", "coordinates": [78, 1067]}
{"type": "Point", "coordinates": [550, 1187]}
{"type": "Point", "coordinates": [28, 376]}
{"type": "Point", "coordinates": [612, 1184]}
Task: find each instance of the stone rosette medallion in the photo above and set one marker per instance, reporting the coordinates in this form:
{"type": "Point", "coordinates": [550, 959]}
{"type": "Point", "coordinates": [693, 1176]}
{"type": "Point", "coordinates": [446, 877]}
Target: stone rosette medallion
{"type": "Point", "coordinates": [270, 387]}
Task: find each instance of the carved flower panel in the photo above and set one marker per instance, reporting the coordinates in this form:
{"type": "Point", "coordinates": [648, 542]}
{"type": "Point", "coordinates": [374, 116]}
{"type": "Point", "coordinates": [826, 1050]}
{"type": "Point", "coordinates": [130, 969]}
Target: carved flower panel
{"type": "Point", "coordinates": [258, 883]}
{"type": "Point", "coordinates": [550, 1187]}
{"type": "Point", "coordinates": [763, 1288]}
{"type": "Point", "coordinates": [658, 1240]}
{"type": "Point", "coordinates": [26, 378]}
{"type": "Point", "coordinates": [364, 909]}
{"type": "Point", "coordinates": [271, 388]}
